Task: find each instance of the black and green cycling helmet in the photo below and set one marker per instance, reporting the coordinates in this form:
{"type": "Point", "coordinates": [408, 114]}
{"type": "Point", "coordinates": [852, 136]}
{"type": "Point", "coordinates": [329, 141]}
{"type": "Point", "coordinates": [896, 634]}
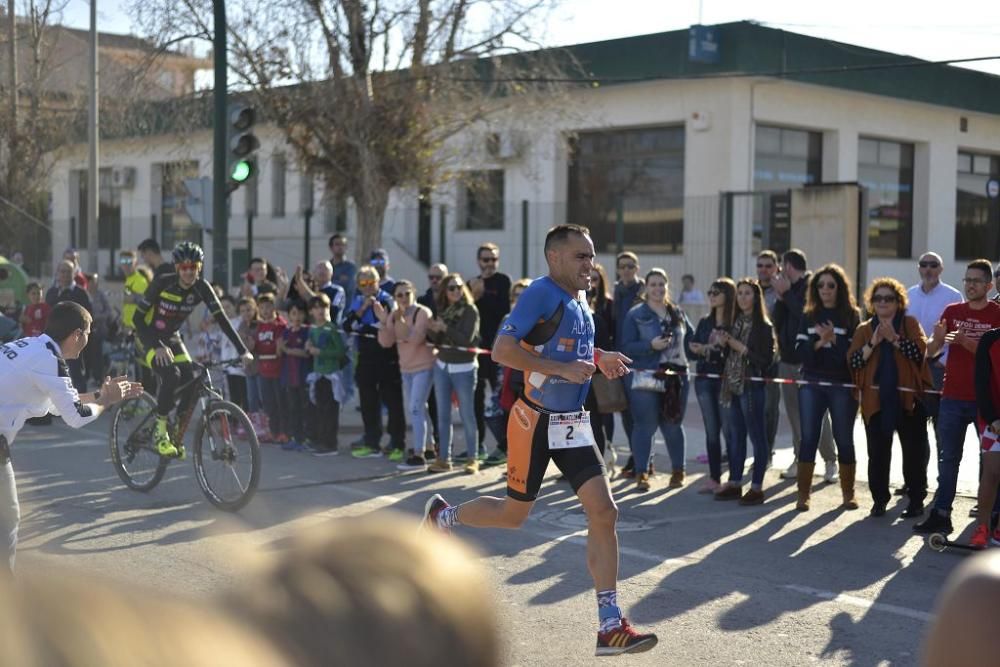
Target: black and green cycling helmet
{"type": "Point", "coordinates": [186, 251]}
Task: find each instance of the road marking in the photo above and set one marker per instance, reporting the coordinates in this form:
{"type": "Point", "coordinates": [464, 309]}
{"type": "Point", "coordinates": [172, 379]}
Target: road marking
{"type": "Point", "coordinates": [856, 601]}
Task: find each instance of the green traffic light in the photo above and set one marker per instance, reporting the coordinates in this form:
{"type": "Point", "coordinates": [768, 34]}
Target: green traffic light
{"type": "Point", "coordinates": [241, 171]}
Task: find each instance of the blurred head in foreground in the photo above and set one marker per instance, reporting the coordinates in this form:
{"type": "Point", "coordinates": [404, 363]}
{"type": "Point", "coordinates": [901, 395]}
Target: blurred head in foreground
{"type": "Point", "coordinates": [349, 593]}
{"type": "Point", "coordinates": [964, 630]}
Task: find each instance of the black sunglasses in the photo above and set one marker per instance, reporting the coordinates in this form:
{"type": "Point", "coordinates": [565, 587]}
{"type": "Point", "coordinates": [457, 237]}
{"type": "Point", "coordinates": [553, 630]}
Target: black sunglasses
{"type": "Point", "coordinates": [454, 288]}
{"type": "Point", "coordinates": [929, 265]}
{"type": "Point", "coordinates": [884, 298]}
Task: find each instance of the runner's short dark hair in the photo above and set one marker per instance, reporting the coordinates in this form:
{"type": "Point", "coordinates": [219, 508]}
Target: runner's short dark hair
{"type": "Point", "coordinates": [560, 233]}
{"type": "Point", "coordinates": [65, 318]}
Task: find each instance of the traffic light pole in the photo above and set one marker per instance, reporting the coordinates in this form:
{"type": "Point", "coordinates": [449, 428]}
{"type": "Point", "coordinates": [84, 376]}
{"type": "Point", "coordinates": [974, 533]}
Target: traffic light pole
{"type": "Point", "coordinates": [220, 198]}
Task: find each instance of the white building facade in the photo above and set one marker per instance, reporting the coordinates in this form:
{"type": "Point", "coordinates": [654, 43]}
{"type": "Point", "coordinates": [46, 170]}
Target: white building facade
{"type": "Point", "coordinates": [645, 164]}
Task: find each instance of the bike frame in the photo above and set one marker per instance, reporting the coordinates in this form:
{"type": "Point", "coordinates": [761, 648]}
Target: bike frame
{"type": "Point", "coordinates": [199, 397]}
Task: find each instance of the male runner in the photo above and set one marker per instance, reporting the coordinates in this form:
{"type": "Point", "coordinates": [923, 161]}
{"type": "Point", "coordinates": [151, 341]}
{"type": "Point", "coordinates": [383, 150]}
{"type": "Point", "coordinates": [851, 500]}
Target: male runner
{"type": "Point", "coordinates": [550, 336]}
{"type": "Point", "coordinates": [168, 301]}
{"type": "Point", "coordinates": [34, 381]}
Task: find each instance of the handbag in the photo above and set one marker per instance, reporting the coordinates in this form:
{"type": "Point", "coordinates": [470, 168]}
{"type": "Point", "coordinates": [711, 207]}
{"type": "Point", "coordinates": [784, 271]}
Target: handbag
{"type": "Point", "coordinates": [610, 394]}
{"type": "Point", "coordinates": [647, 380]}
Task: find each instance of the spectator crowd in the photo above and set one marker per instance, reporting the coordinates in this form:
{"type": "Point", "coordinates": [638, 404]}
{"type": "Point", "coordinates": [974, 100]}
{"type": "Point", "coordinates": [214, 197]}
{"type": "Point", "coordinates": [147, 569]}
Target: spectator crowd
{"type": "Point", "coordinates": [789, 339]}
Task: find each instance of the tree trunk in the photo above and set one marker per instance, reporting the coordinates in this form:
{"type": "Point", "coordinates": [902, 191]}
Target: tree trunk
{"type": "Point", "coordinates": [371, 216]}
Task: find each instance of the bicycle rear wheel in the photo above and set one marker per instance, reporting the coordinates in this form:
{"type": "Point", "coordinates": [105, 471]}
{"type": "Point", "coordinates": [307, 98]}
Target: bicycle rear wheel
{"type": "Point", "coordinates": [133, 453]}
{"type": "Point", "coordinates": [226, 456]}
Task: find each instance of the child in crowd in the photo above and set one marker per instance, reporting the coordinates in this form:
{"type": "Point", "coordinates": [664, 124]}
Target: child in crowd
{"type": "Point", "coordinates": [270, 328]}
{"type": "Point", "coordinates": [36, 313]}
{"type": "Point", "coordinates": [326, 386]}
{"type": "Point", "coordinates": [236, 381]}
{"type": "Point", "coordinates": [295, 366]}
{"type": "Point", "coordinates": [247, 331]}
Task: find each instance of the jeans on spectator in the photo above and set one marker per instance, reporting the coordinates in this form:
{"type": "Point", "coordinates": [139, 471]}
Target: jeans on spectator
{"type": "Point", "coordinates": [294, 402]}
{"type": "Point", "coordinates": [270, 390]}
{"type": "Point", "coordinates": [432, 411]}
{"type": "Point", "coordinates": [833, 404]}
{"type": "Point", "coordinates": [912, 431]}
{"type": "Point", "coordinates": [463, 384]}
{"type": "Point", "coordinates": [326, 415]}
{"type": "Point", "coordinates": [487, 373]}
{"type": "Point", "coordinates": [954, 417]}
{"type": "Point", "coordinates": [647, 413]}
{"type": "Point", "coordinates": [416, 389]}
{"type": "Point", "coordinates": [932, 402]}
{"type": "Point", "coordinates": [746, 417]}
{"type": "Point", "coordinates": [254, 401]}
{"type": "Point", "coordinates": [790, 397]}
{"type": "Point", "coordinates": [707, 391]}
{"type": "Point", "coordinates": [379, 383]}
{"type": "Point", "coordinates": [772, 405]}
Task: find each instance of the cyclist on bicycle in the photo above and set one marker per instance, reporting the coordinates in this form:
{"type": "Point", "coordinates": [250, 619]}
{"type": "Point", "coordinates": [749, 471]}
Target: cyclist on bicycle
{"type": "Point", "coordinates": [168, 301]}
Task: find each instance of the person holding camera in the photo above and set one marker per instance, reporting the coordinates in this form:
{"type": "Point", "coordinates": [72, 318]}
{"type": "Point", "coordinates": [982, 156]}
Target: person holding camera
{"type": "Point", "coordinates": [654, 336]}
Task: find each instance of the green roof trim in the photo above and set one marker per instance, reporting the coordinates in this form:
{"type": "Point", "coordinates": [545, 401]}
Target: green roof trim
{"type": "Point", "coordinates": [748, 49]}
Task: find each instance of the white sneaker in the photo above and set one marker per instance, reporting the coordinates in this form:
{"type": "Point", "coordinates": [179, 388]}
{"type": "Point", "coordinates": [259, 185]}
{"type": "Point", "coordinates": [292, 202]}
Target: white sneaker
{"type": "Point", "coordinates": [792, 472]}
{"type": "Point", "coordinates": [830, 475]}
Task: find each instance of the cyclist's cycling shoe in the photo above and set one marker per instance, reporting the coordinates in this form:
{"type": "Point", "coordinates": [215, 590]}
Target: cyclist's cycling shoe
{"type": "Point", "coordinates": [181, 452]}
{"type": "Point", "coordinates": [162, 439]}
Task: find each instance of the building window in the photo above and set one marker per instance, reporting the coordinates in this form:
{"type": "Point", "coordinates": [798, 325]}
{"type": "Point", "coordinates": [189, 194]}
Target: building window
{"type": "Point", "coordinates": [885, 168]}
{"type": "Point", "coordinates": [279, 167]}
{"type": "Point", "coordinates": [632, 177]}
{"type": "Point", "coordinates": [109, 230]}
{"type": "Point", "coordinates": [786, 158]}
{"type": "Point", "coordinates": [783, 159]}
{"type": "Point", "coordinates": [480, 202]}
{"type": "Point", "coordinates": [177, 224]}
{"type": "Point", "coordinates": [977, 217]}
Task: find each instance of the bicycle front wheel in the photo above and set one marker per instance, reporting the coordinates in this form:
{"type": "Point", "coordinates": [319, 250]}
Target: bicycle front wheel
{"type": "Point", "coordinates": [133, 453]}
{"type": "Point", "coordinates": [226, 456]}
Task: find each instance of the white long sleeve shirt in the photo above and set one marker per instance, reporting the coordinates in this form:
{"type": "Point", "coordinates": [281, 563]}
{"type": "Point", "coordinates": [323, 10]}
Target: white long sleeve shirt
{"type": "Point", "coordinates": [34, 381]}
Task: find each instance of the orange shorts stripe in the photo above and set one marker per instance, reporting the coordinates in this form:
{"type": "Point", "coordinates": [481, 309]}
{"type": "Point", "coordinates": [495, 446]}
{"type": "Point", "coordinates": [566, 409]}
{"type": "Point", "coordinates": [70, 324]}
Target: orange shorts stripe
{"type": "Point", "coordinates": [520, 434]}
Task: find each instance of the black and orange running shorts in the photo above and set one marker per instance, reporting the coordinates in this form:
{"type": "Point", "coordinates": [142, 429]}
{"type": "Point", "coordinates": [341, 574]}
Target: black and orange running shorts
{"type": "Point", "coordinates": [528, 454]}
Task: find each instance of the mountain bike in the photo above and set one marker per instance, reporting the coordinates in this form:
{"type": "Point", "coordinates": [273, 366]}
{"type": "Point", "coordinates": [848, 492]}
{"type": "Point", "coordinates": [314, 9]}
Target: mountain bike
{"type": "Point", "coordinates": [225, 451]}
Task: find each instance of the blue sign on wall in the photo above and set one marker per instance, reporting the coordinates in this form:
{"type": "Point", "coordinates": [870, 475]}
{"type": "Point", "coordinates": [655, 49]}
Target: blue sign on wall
{"type": "Point", "coordinates": [702, 45]}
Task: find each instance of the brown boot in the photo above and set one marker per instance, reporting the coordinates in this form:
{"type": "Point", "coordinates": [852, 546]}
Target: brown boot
{"type": "Point", "coordinates": [805, 476]}
{"type": "Point", "coordinates": [676, 479]}
{"type": "Point", "coordinates": [847, 471]}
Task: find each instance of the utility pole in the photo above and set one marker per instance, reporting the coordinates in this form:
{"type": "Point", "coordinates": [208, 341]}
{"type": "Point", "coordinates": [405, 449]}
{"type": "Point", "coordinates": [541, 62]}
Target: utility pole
{"type": "Point", "coordinates": [14, 125]}
{"type": "Point", "coordinates": [220, 197]}
{"type": "Point", "coordinates": [93, 196]}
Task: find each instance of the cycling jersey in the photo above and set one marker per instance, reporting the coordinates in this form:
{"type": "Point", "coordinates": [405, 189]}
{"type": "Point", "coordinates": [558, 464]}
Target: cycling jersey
{"type": "Point", "coordinates": [34, 381]}
{"type": "Point", "coordinates": [135, 286]}
{"type": "Point", "coordinates": [550, 322]}
{"type": "Point", "coordinates": [166, 304]}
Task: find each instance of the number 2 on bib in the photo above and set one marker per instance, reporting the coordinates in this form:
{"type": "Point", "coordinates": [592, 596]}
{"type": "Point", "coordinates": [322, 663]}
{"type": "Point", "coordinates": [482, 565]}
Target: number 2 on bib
{"type": "Point", "coordinates": [569, 430]}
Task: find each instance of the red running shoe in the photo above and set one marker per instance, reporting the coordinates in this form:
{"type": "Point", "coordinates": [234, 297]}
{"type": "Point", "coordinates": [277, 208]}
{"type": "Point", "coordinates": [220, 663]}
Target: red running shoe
{"type": "Point", "coordinates": [980, 536]}
{"type": "Point", "coordinates": [434, 506]}
{"type": "Point", "coordinates": [624, 639]}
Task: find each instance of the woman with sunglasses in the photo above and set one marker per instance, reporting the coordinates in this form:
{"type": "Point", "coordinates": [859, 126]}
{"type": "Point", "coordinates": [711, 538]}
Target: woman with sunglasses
{"type": "Point", "coordinates": [406, 328]}
{"type": "Point", "coordinates": [828, 324]}
{"type": "Point", "coordinates": [705, 346]}
{"type": "Point", "coordinates": [455, 329]}
{"type": "Point", "coordinates": [653, 337]}
{"type": "Point", "coordinates": [887, 355]}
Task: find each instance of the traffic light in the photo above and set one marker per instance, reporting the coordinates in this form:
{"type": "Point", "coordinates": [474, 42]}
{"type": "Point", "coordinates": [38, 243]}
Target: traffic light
{"type": "Point", "coordinates": [242, 145]}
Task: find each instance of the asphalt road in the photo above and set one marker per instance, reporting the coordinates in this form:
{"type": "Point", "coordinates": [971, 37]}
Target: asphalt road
{"type": "Point", "coordinates": [720, 584]}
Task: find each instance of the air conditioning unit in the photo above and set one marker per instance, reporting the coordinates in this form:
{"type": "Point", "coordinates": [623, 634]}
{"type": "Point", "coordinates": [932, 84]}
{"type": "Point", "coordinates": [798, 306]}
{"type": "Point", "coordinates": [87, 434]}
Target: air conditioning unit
{"type": "Point", "coordinates": [123, 178]}
{"type": "Point", "coordinates": [507, 145]}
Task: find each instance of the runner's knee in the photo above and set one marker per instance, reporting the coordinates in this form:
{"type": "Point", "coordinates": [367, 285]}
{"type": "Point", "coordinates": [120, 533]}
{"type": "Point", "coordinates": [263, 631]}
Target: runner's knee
{"type": "Point", "coordinates": [604, 513]}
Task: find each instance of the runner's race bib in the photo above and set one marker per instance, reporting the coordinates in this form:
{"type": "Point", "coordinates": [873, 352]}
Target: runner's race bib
{"type": "Point", "coordinates": [568, 430]}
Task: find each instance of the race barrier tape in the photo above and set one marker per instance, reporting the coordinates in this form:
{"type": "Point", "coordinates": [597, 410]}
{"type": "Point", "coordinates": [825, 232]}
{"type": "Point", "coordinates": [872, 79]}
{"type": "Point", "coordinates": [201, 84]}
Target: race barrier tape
{"type": "Point", "coordinates": [693, 374]}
